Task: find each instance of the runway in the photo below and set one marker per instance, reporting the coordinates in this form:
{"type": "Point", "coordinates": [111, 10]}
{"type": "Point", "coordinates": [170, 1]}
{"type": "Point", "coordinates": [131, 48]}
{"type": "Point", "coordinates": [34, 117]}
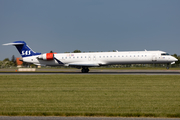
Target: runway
{"type": "Point", "coordinates": [92, 72]}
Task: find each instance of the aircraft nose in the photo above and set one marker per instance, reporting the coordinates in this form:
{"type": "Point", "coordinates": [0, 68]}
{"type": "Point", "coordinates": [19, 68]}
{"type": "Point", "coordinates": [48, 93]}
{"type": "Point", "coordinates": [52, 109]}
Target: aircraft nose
{"type": "Point", "coordinates": [176, 59]}
{"type": "Point", "coordinates": [172, 59]}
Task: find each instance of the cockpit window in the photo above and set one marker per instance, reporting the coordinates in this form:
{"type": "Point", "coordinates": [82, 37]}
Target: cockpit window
{"type": "Point", "coordinates": [164, 54]}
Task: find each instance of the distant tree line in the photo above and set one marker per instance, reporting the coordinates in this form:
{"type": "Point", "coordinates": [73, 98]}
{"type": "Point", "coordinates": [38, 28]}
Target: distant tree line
{"type": "Point", "coordinates": [6, 63]}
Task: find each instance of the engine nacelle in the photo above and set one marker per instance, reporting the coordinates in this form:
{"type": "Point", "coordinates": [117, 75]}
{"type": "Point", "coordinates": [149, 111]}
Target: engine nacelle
{"type": "Point", "coordinates": [46, 56]}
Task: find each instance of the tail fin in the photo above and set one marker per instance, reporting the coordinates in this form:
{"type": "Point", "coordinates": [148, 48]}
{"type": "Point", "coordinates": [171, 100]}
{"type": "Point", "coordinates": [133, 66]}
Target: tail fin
{"type": "Point", "coordinates": [23, 48]}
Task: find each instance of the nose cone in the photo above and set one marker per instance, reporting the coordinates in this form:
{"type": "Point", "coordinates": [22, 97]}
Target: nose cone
{"type": "Point", "coordinates": [174, 59]}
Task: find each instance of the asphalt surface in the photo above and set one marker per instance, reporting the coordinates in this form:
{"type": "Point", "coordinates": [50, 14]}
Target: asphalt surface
{"type": "Point", "coordinates": [78, 118]}
{"type": "Point", "coordinates": [91, 72]}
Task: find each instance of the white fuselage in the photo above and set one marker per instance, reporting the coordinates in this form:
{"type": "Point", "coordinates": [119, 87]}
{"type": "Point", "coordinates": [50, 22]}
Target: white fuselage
{"type": "Point", "coordinates": [104, 58]}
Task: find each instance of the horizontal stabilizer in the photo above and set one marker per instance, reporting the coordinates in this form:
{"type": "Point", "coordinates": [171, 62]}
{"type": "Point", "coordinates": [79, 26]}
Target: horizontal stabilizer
{"type": "Point", "coordinates": [13, 44]}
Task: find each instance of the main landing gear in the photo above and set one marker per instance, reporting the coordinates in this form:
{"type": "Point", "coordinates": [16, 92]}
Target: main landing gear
{"type": "Point", "coordinates": [85, 70]}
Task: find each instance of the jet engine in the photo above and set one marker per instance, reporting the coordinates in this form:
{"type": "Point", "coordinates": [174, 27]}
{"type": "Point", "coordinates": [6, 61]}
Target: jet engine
{"type": "Point", "coordinates": [46, 56]}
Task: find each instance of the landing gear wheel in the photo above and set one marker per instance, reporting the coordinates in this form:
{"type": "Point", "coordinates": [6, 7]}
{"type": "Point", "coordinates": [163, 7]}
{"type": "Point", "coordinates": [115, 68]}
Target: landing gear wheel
{"type": "Point", "coordinates": [85, 70]}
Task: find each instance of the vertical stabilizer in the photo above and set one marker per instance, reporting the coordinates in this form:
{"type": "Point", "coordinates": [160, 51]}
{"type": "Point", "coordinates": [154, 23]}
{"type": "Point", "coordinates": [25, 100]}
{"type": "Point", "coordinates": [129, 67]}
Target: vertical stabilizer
{"type": "Point", "coordinates": [23, 48]}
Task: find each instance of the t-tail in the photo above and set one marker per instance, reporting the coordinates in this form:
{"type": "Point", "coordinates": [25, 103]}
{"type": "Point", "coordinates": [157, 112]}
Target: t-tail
{"type": "Point", "coordinates": [23, 49]}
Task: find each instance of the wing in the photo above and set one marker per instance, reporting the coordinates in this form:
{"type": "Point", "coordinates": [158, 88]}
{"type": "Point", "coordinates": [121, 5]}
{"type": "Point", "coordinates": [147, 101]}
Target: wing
{"type": "Point", "coordinates": [83, 64]}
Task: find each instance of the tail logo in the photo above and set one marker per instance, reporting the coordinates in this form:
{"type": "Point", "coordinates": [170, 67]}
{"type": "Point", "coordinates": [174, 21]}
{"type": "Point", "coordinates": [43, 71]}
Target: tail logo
{"type": "Point", "coordinates": [28, 52]}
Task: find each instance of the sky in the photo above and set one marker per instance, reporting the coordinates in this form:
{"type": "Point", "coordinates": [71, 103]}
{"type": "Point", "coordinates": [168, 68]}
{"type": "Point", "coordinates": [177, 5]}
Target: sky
{"type": "Point", "coordinates": [90, 25]}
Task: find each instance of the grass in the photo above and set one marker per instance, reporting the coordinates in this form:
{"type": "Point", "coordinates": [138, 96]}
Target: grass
{"type": "Point", "coordinates": [90, 95]}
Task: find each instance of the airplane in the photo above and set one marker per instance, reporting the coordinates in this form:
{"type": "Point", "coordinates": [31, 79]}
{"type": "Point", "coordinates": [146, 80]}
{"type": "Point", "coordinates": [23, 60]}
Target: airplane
{"type": "Point", "coordinates": [95, 59]}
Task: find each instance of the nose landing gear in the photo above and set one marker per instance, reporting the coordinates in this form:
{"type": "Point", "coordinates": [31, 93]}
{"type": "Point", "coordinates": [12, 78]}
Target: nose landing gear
{"type": "Point", "coordinates": [167, 66]}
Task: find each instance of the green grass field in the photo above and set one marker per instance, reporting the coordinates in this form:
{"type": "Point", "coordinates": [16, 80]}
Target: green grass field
{"type": "Point", "coordinates": [90, 95]}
